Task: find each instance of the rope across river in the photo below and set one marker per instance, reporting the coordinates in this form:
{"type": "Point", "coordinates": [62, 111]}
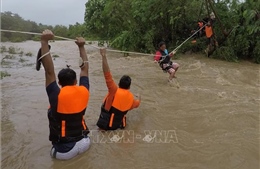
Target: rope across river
{"type": "Point", "coordinates": [63, 38]}
{"type": "Point", "coordinates": [111, 50]}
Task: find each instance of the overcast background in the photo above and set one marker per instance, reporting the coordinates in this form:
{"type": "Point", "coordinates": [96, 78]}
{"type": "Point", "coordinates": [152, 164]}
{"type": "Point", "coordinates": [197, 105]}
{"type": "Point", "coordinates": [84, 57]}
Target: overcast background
{"type": "Point", "coordinates": [49, 12]}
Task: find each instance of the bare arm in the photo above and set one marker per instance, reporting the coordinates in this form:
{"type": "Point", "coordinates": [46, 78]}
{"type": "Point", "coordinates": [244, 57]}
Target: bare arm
{"type": "Point", "coordinates": [136, 102]}
{"type": "Point", "coordinates": [47, 60]}
{"type": "Point", "coordinates": [84, 68]}
{"type": "Point", "coordinates": [172, 53]}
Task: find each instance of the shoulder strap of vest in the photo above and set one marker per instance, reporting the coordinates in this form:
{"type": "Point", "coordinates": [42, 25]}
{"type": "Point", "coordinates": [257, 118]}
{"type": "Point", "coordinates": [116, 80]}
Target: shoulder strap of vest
{"type": "Point", "coordinates": [104, 103]}
{"type": "Point", "coordinates": [164, 59]}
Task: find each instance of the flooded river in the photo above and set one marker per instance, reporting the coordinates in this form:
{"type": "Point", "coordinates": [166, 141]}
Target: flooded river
{"type": "Point", "coordinates": [210, 122]}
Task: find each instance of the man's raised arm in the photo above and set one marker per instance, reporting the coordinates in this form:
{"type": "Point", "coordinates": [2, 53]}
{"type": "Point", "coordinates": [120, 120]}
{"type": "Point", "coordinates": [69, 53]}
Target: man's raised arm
{"type": "Point", "coordinates": [112, 87]}
{"type": "Point", "coordinates": [105, 66]}
{"type": "Point", "coordinates": [47, 60]}
{"type": "Point", "coordinates": [84, 66]}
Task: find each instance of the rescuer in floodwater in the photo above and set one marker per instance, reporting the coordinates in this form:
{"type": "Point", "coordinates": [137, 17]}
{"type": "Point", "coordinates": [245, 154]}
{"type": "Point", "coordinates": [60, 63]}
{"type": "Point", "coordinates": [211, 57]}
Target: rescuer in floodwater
{"type": "Point", "coordinates": [68, 130]}
{"type": "Point", "coordinates": [117, 102]}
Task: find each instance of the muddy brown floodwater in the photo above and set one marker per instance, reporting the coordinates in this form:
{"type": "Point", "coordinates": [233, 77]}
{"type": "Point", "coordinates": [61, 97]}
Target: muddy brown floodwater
{"type": "Point", "coordinates": [210, 122]}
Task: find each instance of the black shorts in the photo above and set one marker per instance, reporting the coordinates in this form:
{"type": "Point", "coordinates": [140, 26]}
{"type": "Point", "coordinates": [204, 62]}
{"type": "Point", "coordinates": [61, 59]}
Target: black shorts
{"type": "Point", "coordinates": [210, 40]}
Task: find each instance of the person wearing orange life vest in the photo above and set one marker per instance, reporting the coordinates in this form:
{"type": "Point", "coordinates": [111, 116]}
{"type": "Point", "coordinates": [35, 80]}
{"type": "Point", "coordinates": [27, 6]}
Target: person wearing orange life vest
{"type": "Point", "coordinates": [117, 102]}
{"type": "Point", "coordinates": [209, 35]}
{"type": "Point", "coordinates": [68, 129]}
{"type": "Point", "coordinates": [211, 41]}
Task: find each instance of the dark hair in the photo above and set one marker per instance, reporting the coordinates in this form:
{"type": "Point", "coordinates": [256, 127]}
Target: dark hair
{"type": "Point", "coordinates": [125, 82]}
{"type": "Point", "coordinates": [67, 77]}
{"type": "Point", "coordinates": [161, 43]}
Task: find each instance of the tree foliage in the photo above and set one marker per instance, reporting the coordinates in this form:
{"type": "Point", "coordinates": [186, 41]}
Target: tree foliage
{"type": "Point", "coordinates": [11, 21]}
{"type": "Point", "coordinates": [139, 25]}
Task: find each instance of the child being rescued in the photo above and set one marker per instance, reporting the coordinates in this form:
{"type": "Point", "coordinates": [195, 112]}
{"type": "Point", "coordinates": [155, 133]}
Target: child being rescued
{"type": "Point", "coordinates": [164, 59]}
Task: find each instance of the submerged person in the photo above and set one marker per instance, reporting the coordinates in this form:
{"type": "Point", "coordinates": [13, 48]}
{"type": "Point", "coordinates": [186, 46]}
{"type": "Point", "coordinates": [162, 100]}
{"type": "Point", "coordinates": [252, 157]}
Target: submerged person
{"type": "Point", "coordinates": [117, 102]}
{"type": "Point", "coordinates": [68, 129]}
{"type": "Point", "coordinates": [164, 59]}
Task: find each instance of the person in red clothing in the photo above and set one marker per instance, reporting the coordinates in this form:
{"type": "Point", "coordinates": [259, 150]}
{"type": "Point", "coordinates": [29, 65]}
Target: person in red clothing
{"type": "Point", "coordinates": [164, 59]}
{"type": "Point", "coordinates": [117, 102]}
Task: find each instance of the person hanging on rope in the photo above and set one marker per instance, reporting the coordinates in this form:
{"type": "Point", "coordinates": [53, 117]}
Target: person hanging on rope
{"type": "Point", "coordinates": [211, 42]}
{"type": "Point", "coordinates": [209, 35]}
{"type": "Point", "coordinates": [117, 102]}
{"type": "Point", "coordinates": [164, 59]}
{"type": "Point", "coordinates": [200, 27]}
{"type": "Point", "coordinates": [68, 129]}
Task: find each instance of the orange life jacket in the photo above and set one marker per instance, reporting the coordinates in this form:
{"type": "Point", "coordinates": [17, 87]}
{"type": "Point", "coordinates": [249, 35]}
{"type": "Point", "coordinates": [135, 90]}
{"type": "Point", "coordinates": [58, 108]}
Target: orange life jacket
{"type": "Point", "coordinates": [67, 124]}
{"type": "Point", "coordinates": [209, 31]}
{"type": "Point", "coordinates": [116, 117]}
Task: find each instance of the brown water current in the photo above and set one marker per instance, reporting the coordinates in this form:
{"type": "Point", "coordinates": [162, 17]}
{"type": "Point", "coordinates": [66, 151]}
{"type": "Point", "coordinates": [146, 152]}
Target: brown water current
{"type": "Point", "coordinates": [210, 122]}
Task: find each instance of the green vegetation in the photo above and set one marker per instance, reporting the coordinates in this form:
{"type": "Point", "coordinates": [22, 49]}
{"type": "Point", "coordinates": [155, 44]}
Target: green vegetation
{"type": "Point", "coordinates": [22, 60]}
{"type": "Point", "coordinates": [139, 25]}
{"type": "Point", "coordinates": [21, 53]}
{"type": "Point", "coordinates": [11, 50]}
{"type": "Point", "coordinates": [4, 74]}
{"type": "Point", "coordinates": [36, 38]}
{"type": "Point", "coordinates": [55, 56]}
{"type": "Point", "coordinates": [28, 64]}
{"type": "Point", "coordinates": [9, 57]}
{"type": "Point", "coordinates": [29, 54]}
{"type": "Point", "coordinates": [11, 21]}
{"type": "Point", "coordinates": [4, 62]}
{"type": "Point", "coordinates": [3, 49]}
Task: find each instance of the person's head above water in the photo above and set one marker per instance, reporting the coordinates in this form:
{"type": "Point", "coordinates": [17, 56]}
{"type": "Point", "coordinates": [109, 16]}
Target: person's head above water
{"type": "Point", "coordinates": [67, 77]}
{"type": "Point", "coordinates": [162, 46]}
{"type": "Point", "coordinates": [125, 82]}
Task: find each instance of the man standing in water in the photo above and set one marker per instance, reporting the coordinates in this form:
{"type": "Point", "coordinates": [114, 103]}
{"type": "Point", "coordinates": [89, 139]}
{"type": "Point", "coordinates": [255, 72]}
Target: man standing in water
{"type": "Point", "coordinates": [164, 60]}
{"type": "Point", "coordinates": [118, 101]}
{"type": "Point", "coordinates": [68, 130]}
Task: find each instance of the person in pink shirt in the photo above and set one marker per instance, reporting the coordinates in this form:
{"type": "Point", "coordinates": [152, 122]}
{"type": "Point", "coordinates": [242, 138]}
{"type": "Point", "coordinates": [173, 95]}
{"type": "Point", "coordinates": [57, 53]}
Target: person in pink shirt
{"type": "Point", "coordinates": [164, 59]}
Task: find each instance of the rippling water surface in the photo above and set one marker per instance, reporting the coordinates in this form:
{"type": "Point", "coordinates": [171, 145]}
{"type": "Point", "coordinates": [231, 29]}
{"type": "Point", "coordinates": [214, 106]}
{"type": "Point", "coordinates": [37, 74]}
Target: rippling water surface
{"type": "Point", "coordinates": [210, 122]}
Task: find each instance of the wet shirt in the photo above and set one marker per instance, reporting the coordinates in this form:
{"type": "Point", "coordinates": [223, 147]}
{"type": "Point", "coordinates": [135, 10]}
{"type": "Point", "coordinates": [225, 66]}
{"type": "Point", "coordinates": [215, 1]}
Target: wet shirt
{"type": "Point", "coordinates": [53, 91]}
{"type": "Point", "coordinates": [158, 55]}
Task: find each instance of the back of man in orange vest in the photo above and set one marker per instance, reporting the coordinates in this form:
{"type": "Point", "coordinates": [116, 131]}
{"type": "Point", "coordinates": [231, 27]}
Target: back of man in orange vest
{"type": "Point", "coordinates": [118, 101]}
{"type": "Point", "coordinates": [68, 129]}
